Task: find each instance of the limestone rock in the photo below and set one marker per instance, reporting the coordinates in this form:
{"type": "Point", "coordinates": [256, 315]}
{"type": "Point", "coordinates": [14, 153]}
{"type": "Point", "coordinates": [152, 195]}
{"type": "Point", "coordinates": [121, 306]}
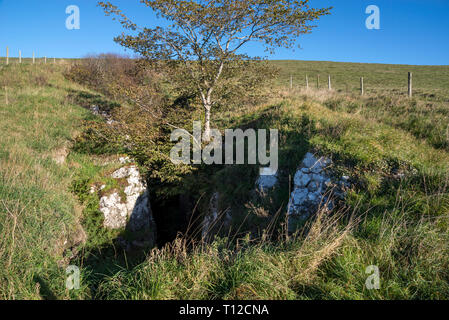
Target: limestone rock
{"type": "Point", "coordinates": [212, 215]}
{"type": "Point", "coordinates": [124, 160]}
{"type": "Point", "coordinates": [101, 113]}
{"type": "Point", "coordinates": [311, 185]}
{"type": "Point", "coordinates": [132, 209]}
{"type": "Point", "coordinates": [129, 208]}
{"type": "Point", "coordinates": [141, 215]}
{"type": "Point", "coordinates": [299, 196]}
{"type": "Point", "coordinates": [302, 179]}
{"type": "Point", "coordinates": [267, 180]}
{"type": "Point", "coordinates": [114, 210]}
{"type": "Point", "coordinates": [309, 161]}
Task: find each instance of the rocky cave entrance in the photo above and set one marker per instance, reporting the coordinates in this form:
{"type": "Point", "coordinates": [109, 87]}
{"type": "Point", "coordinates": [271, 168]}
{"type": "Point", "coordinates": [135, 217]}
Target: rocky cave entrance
{"type": "Point", "coordinates": [173, 217]}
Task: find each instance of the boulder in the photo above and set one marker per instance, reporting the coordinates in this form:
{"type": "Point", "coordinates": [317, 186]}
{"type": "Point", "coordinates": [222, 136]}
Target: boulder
{"type": "Point", "coordinates": [311, 185]}
{"type": "Point", "coordinates": [299, 196]}
{"type": "Point", "coordinates": [116, 210]}
{"type": "Point", "coordinates": [301, 179]}
{"type": "Point", "coordinates": [309, 161]}
{"type": "Point", "coordinates": [130, 208]}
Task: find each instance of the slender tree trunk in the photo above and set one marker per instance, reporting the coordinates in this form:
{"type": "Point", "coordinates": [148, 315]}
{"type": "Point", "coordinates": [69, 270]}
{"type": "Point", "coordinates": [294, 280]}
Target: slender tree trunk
{"type": "Point", "coordinates": [206, 133]}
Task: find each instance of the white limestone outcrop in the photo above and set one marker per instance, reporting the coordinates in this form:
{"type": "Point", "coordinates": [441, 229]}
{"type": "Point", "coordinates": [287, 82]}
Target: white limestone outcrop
{"type": "Point", "coordinates": [313, 187]}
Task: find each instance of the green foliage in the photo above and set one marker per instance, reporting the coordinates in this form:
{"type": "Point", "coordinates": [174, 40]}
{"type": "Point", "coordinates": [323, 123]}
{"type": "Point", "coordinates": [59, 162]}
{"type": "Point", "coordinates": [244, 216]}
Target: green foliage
{"type": "Point", "coordinates": [203, 39]}
{"type": "Point", "coordinates": [93, 219]}
{"type": "Point", "coordinates": [96, 139]}
{"type": "Point", "coordinates": [117, 77]}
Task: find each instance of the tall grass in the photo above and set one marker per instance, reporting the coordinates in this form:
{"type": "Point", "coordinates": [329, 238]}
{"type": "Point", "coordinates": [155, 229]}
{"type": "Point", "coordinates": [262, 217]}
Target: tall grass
{"type": "Point", "coordinates": [220, 270]}
{"type": "Point", "coordinates": [38, 215]}
{"type": "Point", "coordinates": [328, 262]}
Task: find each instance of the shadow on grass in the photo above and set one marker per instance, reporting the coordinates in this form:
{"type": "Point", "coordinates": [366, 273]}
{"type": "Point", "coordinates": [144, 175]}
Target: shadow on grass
{"type": "Point", "coordinates": [101, 262]}
{"type": "Point", "coordinates": [89, 100]}
{"type": "Point", "coordinates": [44, 290]}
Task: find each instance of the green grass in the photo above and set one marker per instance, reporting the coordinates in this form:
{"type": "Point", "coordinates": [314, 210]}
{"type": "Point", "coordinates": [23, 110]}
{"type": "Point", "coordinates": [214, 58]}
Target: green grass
{"type": "Point", "coordinates": [428, 81]}
{"type": "Point", "coordinates": [400, 225]}
{"type": "Point", "coordinates": [37, 60]}
{"type": "Point", "coordinates": [38, 212]}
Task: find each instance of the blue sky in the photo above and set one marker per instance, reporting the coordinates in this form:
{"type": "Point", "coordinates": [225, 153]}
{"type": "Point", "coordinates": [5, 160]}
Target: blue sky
{"type": "Point", "coordinates": [412, 31]}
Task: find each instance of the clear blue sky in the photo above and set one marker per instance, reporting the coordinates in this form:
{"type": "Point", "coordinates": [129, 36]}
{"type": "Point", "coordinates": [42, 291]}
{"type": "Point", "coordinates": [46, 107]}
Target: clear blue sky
{"type": "Point", "coordinates": [412, 31]}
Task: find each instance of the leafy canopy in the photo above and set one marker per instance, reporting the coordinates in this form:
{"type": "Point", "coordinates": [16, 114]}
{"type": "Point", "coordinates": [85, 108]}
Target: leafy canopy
{"type": "Point", "coordinates": [211, 32]}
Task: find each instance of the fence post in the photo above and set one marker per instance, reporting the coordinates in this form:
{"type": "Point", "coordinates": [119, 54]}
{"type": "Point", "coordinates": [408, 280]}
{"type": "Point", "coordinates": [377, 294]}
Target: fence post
{"type": "Point", "coordinates": [20, 56]}
{"type": "Point", "coordinates": [45, 60]}
{"type": "Point", "coordinates": [362, 89]}
{"type": "Point", "coordinates": [318, 81]}
{"type": "Point", "coordinates": [329, 83]}
{"type": "Point", "coordinates": [291, 82]}
{"type": "Point", "coordinates": [34, 59]}
{"type": "Point", "coordinates": [54, 60]}
{"type": "Point", "coordinates": [307, 82]}
{"type": "Point", "coordinates": [7, 55]}
{"type": "Point", "coordinates": [410, 84]}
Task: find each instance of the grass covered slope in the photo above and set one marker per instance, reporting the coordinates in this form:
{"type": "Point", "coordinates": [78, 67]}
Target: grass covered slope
{"type": "Point", "coordinates": [396, 215]}
{"type": "Point", "coordinates": [383, 79]}
{"type": "Point", "coordinates": [400, 225]}
{"type": "Point", "coordinates": [427, 116]}
{"type": "Point", "coordinates": [38, 214]}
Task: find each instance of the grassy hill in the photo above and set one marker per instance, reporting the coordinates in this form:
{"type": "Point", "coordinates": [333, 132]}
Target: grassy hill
{"type": "Point", "coordinates": [429, 81]}
{"type": "Point", "coordinates": [400, 224]}
{"type": "Point", "coordinates": [38, 212]}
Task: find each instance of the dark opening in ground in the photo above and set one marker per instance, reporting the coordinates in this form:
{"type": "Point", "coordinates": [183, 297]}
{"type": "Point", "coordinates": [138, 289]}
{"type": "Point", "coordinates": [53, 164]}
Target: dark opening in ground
{"type": "Point", "coordinates": [172, 217]}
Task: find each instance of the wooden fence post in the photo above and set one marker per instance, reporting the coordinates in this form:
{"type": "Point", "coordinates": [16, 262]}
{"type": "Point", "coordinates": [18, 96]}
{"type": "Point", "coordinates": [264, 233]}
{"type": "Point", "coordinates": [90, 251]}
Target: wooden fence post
{"type": "Point", "coordinates": [20, 56]}
{"type": "Point", "coordinates": [34, 59]}
{"type": "Point", "coordinates": [45, 60]}
{"type": "Point", "coordinates": [54, 60]}
{"type": "Point", "coordinates": [410, 84]}
{"type": "Point", "coordinates": [291, 82]}
{"type": "Point", "coordinates": [362, 89]}
{"type": "Point", "coordinates": [7, 55]}
{"type": "Point", "coordinates": [318, 81]}
{"type": "Point", "coordinates": [329, 83]}
{"type": "Point", "coordinates": [307, 82]}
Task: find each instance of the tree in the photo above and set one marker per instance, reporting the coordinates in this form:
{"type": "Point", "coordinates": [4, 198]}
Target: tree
{"type": "Point", "coordinates": [205, 37]}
